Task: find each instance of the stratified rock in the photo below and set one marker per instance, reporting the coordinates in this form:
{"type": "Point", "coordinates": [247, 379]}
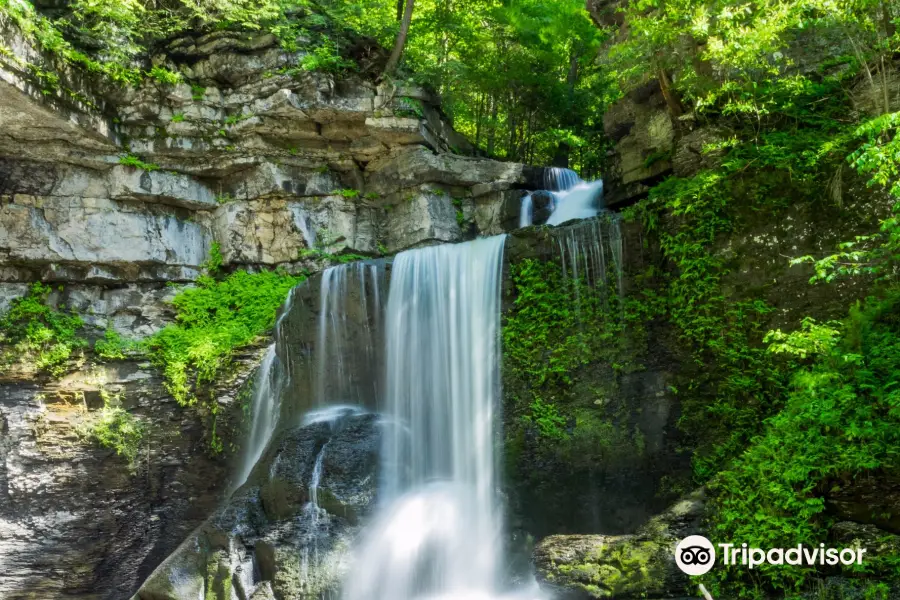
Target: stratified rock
{"type": "Point", "coordinates": [269, 540]}
{"type": "Point", "coordinates": [622, 566]}
{"type": "Point", "coordinates": [76, 520]}
{"type": "Point", "coordinates": [644, 135]}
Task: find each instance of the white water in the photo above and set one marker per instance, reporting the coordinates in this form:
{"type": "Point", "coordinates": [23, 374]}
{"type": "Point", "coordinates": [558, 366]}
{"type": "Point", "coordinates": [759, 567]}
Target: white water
{"type": "Point", "coordinates": [437, 532]}
{"type": "Point", "coordinates": [264, 409]}
{"type": "Point", "coordinates": [579, 202]}
{"type": "Point", "coordinates": [526, 212]}
{"type": "Point", "coordinates": [573, 198]}
{"type": "Point", "coordinates": [557, 179]}
{"type": "Point", "coordinates": [346, 365]}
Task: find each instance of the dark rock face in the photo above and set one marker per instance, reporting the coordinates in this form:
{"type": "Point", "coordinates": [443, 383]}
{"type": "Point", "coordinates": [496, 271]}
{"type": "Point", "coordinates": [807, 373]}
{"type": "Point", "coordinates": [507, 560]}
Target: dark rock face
{"type": "Point", "coordinates": [269, 536]}
{"type": "Point", "coordinates": [75, 521]}
{"type": "Point", "coordinates": [617, 490]}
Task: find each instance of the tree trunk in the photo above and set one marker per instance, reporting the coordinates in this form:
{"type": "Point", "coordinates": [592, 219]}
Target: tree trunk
{"type": "Point", "coordinates": [665, 84]}
{"type": "Point", "coordinates": [888, 20]}
{"type": "Point", "coordinates": [400, 44]}
{"type": "Point", "coordinates": [479, 116]}
{"type": "Point", "coordinates": [492, 136]}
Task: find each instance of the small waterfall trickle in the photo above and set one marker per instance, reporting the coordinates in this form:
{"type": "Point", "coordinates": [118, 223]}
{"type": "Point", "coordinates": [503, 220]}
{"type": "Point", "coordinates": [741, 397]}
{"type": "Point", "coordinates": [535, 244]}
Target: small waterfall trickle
{"type": "Point", "coordinates": [437, 533]}
{"type": "Point", "coordinates": [264, 408]}
{"type": "Point", "coordinates": [557, 179]}
{"type": "Point", "coordinates": [593, 251]}
{"type": "Point", "coordinates": [572, 198]}
{"type": "Point", "coordinates": [526, 212]}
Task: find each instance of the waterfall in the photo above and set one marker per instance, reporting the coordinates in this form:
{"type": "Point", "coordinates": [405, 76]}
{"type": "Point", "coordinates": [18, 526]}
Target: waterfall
{"type": "Point", "coordinates": [579, 202]}
{"type": "Point", "coordinates": [345, 369]}
{"type": "Point", "coordinates": [526, 212]}
{"type": "Point", "coordinates": [572, 198]}
{"type": "Point", "coordinates": [593, 251]}
{"type": "Point", "coordinates": [437, 532]}
{"type": "Point", "coordinates": [346, 364]}
{"type": "Point", "coordinates": [264, 408]}
{"type": "Point", "coordinates": [557, 179]}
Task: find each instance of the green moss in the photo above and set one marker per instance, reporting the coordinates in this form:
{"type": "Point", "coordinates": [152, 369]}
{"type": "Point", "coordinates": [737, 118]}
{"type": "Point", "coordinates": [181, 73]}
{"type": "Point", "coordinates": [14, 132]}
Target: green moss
{"type": "Point", "coordinates": [40, 334]}
{"type": "Point", "coordinates": [632, 568]}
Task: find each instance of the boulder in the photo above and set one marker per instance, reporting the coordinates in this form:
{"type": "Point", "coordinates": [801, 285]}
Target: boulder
{"type": "Point", "coordinates": [287, 532]}
{"type": "Point", "coordinates": [639, 565]}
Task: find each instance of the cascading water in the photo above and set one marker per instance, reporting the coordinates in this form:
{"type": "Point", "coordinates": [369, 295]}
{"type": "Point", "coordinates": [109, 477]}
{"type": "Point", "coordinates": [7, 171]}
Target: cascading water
{"type": "Point", "coordinates": [264, 406]}
{"type": "Point", "coordinates": [437, 533]}
{"type": "Point", "coordinates": [557, 179]}
{"type": "Point", "coordinates": [346, 353]}
{"type": "Point", "coordinates": [572, 198]}
{"type": "Point", "coordinates": [591, 250]}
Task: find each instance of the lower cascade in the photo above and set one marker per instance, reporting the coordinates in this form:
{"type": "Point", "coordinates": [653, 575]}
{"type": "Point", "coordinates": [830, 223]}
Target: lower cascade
{"type": "Point", "coordinates": [437, 530]}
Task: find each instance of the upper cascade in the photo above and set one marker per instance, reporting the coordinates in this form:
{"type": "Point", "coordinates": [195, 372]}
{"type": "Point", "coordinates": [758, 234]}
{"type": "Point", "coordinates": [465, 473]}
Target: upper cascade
{"type": "Point", "coordinates": [565, 197]}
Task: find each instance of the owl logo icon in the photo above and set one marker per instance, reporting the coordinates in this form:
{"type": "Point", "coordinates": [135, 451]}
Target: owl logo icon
{"type": "Point", "coordinates": [695, 555]}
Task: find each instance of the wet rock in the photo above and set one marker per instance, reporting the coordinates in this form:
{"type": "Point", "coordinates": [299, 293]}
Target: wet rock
{"type": "Point", "coordinates": [876, 542]}
{"type": "Point", "coordinates": [268, 539]}
{"type": "Point", "coordinates": [641, 565]}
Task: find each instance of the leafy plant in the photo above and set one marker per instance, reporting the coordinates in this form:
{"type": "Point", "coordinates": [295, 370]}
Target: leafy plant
{"type": "Point", "coordinates": [165, 76]}
{"type": "Point", "coordinates": [112, 346]}
{"type": "Point", "coordinates": [40, 333]}
{"type": "Point", "coordinates": [115, 428]}
{"type": "Point", "coordinates": [131, 160]}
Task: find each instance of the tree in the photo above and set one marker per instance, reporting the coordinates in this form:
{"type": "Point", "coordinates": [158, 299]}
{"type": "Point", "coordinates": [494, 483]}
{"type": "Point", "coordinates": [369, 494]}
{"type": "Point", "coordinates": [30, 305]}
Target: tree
{"type": "Point", "coordinates": [400, 44]}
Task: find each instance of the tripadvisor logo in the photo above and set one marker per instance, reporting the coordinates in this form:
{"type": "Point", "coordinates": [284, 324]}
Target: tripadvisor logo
{"type": "Point", "coordinates": [695, 555]}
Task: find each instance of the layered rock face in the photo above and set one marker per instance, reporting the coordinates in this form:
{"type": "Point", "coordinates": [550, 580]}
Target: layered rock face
{"type": "Point", "coordinates": [111, 194]}
{"type": "Point", "coordinates": [75, 519]}
{"type": "Point", "coordinates": [263, 163]}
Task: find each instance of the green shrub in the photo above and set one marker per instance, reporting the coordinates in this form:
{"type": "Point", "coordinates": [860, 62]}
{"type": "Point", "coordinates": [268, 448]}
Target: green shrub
{"type": "Point", "coordinates": [841, 419]}
{"type": "Point", "coordinates": [113, 346]}
{"type": "Point", "coordinates": [214, 318]}
{"type": "Point", "coordinates": [130, 160]}
{"type": "Point", "coordinates": [115, 428]}
{"type": "Point", "coordinates": [165, 76]}
{"type": "Point", "coordinates": [40, 333]}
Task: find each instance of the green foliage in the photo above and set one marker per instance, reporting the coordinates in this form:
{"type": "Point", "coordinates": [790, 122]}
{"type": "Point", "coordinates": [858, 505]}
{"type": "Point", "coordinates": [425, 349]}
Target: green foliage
{"type": "Point", "coordinates": [326, 57]}
{"type": "Point", "coordinates": [347, 193]}
{"type": "Point", "coordinates": [213, 319]}
{"type": "Point", "coordinates": [320, 254]}
{"type": "Point", "coordinates": [112, 346]}
{"type": "Point", "coordinates": [841, 419]}
{"type": "Point", "coordinates": [737, 383]}
{"type": "Point", "coordinates": [556, 327]}
{"type": "Point", "coordinates": [165, 76]}
{"type": "Point", "coordinates": [130, 160]}
{"type": "Point", "coordinates": [40, 333]}
{"type": "Point", "coordinates": [875, 255]}
{"type": "Point", "coordinates": [197, 92]}
{"type": "Point", "coordinates": [178, 117]}
{"type": "Point", "coordinates": [115, 428]}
